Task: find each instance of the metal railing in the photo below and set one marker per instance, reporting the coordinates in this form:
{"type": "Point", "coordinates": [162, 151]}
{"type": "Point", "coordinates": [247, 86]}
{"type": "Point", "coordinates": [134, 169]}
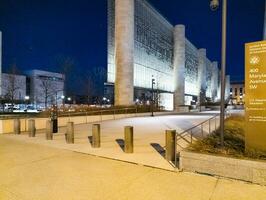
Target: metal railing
{"type": "Point", "coordinates": [195, 129]}
{"type": "Point", "coordinates": [127, 112]}
{"type": "Point", "coordinates": [102, 113]}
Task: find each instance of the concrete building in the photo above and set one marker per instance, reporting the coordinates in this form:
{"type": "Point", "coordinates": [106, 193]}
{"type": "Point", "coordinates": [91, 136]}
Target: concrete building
{"type": "Point", "coordinates": [143, 45]}
{"type": "Point", "coordinates": [237, 93]}
{"type": "Point", "coordinates": [45, 87]}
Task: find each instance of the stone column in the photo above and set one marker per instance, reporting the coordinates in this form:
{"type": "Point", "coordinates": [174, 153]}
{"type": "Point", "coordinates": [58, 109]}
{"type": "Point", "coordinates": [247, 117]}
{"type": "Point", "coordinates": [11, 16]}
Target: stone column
{"type": "Point", "coordinates": [214, 80]}
{"type": "Point", "coordinates": [124, 52]}
{"type": "Point", "coordinates": [202, 75]}
{"type": "Point", "coordinates": [179, 65]}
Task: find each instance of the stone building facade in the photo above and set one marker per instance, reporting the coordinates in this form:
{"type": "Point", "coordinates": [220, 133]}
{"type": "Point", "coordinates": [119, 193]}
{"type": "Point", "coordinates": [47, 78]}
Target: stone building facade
{"type": "Point", "coordinates": [143, 45]}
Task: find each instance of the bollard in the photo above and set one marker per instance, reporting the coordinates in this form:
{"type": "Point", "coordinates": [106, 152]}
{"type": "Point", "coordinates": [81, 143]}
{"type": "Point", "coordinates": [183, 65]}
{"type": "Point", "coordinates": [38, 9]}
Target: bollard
{"type": "Point", "coordinates": [54, 125]}
{"type": "Point", "coordinates": [49, 130]}
{"type": "Point", "coordinates": [129, 146]}
{"type": "Point", "coordinates": [17, 126]}
{"type": "Point", "coordinates": [170, 145]}
{"type": "Point", "coordinates": [32, 130]}
{"type": "Point", "coordinates": [70, 133]}
{"type": "Point", "coordinates": [96, 136]}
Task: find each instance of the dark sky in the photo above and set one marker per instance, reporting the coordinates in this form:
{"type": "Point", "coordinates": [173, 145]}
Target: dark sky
{"type": "Point", "coordinates": [37, 32]}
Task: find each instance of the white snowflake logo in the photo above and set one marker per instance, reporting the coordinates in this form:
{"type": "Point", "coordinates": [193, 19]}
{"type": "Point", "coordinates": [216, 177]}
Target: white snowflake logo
{"type": "Point", "coordinates": [254, 60]}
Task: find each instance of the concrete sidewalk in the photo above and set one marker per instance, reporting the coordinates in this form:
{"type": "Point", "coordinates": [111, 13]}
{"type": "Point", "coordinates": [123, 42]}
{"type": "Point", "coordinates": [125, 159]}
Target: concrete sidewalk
{"type": "Point", "coordinates": [149, 138]}
{"type": "Point", "coordinates": [37, 172]}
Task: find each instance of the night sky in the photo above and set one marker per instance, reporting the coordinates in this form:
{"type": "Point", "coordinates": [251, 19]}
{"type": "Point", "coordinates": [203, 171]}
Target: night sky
{"type": "Point", "coordinates": [36, 33]}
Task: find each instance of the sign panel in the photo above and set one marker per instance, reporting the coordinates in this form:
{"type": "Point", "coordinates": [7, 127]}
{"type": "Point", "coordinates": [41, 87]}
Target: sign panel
{"type": "Point", "coordinates": [255, 87]}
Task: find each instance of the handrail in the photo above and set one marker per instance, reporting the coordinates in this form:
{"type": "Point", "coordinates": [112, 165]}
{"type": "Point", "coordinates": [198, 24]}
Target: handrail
{"type": "Point", "coordinates": [190, 131]}
{"type": "Point", "coordinates": [198, 124]}
{"type": "Point", "coordinates": [96, 111]}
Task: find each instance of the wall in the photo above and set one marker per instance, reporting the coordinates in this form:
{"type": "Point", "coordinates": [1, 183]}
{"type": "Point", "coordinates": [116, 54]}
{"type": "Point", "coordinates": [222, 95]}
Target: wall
{"type": "Point", "coordinates": [6, 126]}
{"type": "Point", "coordinates": [246, 170]}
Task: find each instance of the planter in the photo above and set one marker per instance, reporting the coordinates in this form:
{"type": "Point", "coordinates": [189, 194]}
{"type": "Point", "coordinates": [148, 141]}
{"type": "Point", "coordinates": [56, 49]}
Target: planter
{"type": "Point", "coordinates": [246, 170]}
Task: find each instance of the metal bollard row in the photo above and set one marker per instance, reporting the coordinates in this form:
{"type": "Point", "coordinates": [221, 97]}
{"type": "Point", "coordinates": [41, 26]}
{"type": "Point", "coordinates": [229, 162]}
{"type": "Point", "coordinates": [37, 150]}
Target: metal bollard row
{"type": "Point", "coordinates": [49, 130]}
{"type": "Point", "coordinates": [170, 136]}
{"type": "Point", "coordinates": [129, 140]}
{"type": "Point", "coordinates": [17, 126]}
{"type": "Point", "coordinates": [96, 136]}
{"type": "Point", "coordinates": [70, 133]}
{"type": "Point", "coordinates": [31, 127]}
{"type": "Point", "coordinates": [170, 148]}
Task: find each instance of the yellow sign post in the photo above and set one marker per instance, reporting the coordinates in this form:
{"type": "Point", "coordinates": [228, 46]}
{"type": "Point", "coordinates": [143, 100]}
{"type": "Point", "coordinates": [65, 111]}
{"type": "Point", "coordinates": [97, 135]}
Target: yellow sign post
{"type": "Point", "coordinates": [255, 87]}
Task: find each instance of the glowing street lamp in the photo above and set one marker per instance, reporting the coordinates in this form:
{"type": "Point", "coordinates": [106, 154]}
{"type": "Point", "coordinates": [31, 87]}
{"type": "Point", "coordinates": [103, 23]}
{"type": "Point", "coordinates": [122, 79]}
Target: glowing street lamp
{"type": "Point", "coordinates": [27, 98]}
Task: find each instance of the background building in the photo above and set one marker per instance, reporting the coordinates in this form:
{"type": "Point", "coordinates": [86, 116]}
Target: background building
{"type": "Point", "coordinates": [237, 93]}
{"type": "Point", "coordinates": [143, 45]}
{"type": "Point", "coordinates": [46, 88]}
{"type": "Point", "coordinates": [13, 87]}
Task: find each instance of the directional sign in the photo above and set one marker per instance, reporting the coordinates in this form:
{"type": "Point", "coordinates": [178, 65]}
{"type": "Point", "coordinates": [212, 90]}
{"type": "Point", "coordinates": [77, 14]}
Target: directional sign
{"type": "Point", "coordinates": [255, 87]}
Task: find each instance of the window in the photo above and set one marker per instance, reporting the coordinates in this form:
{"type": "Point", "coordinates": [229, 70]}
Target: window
{"type": "Point", "coordinates": [241, 91]}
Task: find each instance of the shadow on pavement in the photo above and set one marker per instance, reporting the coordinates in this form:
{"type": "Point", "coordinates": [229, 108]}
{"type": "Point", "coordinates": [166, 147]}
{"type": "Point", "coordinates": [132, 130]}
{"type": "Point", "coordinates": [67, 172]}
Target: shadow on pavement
{"type": "Point", "coordinates": [90, 139]}
{"type": "Point", "coordinates": [159, 149]}
{"type": "Point", "coordinates": [121, 143]}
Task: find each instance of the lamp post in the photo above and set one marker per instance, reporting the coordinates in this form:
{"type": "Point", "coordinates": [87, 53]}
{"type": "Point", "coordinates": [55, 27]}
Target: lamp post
{"type": "Point", "coordinates": [152, 96]}
{"type": "Point", "coordinates": [54, 112]}
{"type": "Point", "coordinates": [214, 4]}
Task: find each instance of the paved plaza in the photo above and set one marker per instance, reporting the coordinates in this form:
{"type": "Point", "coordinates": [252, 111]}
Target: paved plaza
{"type": "Point", "coordinates": [149, 137]}
{"type": "Point", "coordinates": [37, 172]}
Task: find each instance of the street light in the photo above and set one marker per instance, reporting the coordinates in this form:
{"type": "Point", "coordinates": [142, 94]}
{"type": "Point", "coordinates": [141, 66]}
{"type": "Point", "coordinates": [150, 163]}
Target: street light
{"type": "Point", "coordinates": [152, 100]}
{"type": "Point", "coordinates": [214, 4]}
{"type": "Point", "coordinates": [27, 98]}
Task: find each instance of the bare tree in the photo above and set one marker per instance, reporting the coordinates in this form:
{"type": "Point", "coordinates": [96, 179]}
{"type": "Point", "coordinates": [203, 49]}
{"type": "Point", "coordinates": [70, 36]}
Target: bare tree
{"type": "Point", "coordinates": [93, 81]}
{"type": "Point", "coordinates": [48, 90]}
{"type": "Point", "coordinates": [11, 85]}
{"type": "Point", "coordinates": [65, 65]}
